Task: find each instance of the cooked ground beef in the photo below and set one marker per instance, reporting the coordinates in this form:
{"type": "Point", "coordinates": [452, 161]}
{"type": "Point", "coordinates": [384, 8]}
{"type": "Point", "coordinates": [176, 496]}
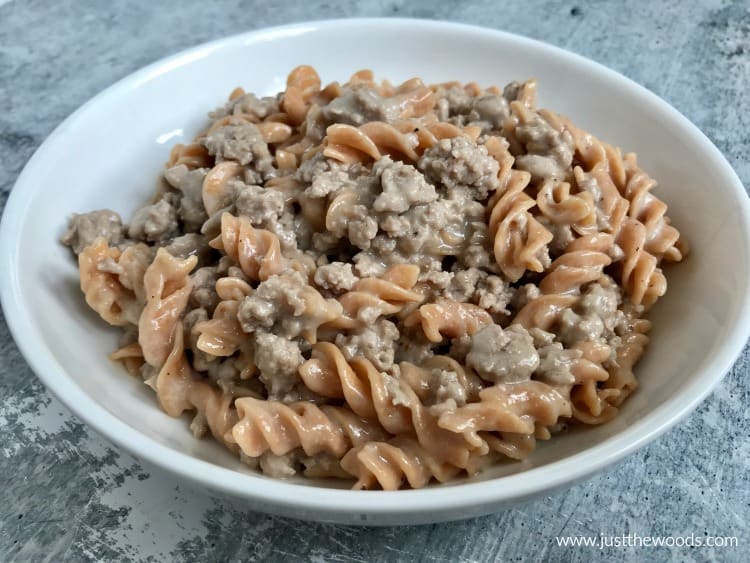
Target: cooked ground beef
{"type": "Point", "coordinates": [85, 228]}
{"type": "Point", "coordinates": [503, 355]}
{"type": "Point", "coordinates": [155, 223]}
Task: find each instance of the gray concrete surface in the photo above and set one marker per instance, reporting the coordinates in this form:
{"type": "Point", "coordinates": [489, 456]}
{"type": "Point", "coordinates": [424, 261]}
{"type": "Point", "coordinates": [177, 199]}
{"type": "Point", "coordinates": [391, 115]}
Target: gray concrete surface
{"type": "Point", "coordinates": [68, 495]}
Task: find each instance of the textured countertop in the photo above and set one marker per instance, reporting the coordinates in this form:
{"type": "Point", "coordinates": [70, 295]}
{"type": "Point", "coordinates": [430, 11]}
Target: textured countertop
{"type": "Point", "coordinates": [67, 494]}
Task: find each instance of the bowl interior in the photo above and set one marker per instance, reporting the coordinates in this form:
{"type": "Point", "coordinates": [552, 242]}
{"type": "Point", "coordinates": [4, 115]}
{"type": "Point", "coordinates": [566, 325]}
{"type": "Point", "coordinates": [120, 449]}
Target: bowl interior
{"type": "Point", "coordinates": [110, 153]}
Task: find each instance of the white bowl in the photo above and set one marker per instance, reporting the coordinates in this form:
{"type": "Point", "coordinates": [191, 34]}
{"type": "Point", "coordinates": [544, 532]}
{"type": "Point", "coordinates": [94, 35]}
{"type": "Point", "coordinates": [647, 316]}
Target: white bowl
{"type": "Point", "coordinates": [110, 151]}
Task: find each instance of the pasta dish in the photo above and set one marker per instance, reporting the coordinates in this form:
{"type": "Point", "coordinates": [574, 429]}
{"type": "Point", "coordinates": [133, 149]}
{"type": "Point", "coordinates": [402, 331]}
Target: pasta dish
{"type": "Point", "coordinates": [392, 284]}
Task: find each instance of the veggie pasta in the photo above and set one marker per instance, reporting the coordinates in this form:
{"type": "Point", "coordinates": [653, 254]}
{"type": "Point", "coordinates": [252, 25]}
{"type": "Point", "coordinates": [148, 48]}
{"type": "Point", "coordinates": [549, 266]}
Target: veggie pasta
{"type": "Point", "coordinates": [391, 284]}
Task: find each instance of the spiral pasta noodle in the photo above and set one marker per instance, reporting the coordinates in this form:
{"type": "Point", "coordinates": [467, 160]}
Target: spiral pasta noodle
{"type": "Point", "coordinates": [419, 377]}
{"type": "Point", "coordinates": [412, 98]}
{"type": "Point", "coordinates": [661, 237]}
{"type": "Point", "coordinates": [641, 276]}
{"type": "Point", "coordinates": [556, 203]}
{"type": "Point", "coordinates": [510, 445]}
{"type": "Point", "coordinates": [105, 293]}
{"type": "Point", "coordinates": [257, 251]}
{"type": "Point", "coordinates": [273, 426]}
{"type": "Point", "coordinates": [447, 318]}
{"type": "Point", "coordinates": [349, 144]}
{"type": "Point", "coordinates": [589, 402]}
{"type": "Point", "coordinates": [428, 132]}
{"type": "Point", "coordinates": [519, 239]}
{"type": "Point", "coordinates": [547, 126]}
{"type": "Point", "coordinates": [167, 287]}
{"type": "Point", "coordinates": [514, 408]}
{"type": "Point", "coordinates": [193, 156]}
{"type": "Point", "coordinates": [582, 262]}
{"type": "Point", "coordinates": [222, 335]}
{"type": "Point", "coordinates": [370, 394]}
{"type": "Point", "coordinates": [629, 351]}
{"type": "Point", "coordinates": [329, 374]}
{"type": "Point", "coordinates": [390, 464]}
{"type": "Point", "coordinates": [174, 379]}
{"type": "Point", "coordinates": [131, 357]}
{"type": "Point", "coordinates": [178, 391]}
{"type": "Point", "coordinates": [544, 312]}
{"type": "Point", "coordinates": [598, 404]}
{"type": "Point", "coordinates": [375, 297]}
{"type": "Point", "coordinates": [301, 85]}
{"type": "Point", "coordinates": [215, 191]}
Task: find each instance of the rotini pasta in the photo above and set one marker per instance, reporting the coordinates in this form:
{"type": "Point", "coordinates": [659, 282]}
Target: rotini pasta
{"type": "Point", "coordinates": [193, 156]}
{"type": "Point", "coordinates": [582, 262]}
{"type": "Point", "coordinates": [378, 396]}
{"type": "Point", "coordinates": [371, 298]}
{"type": "Point", "coordinates": [349, 144]}
{"type": "Point", "coordinates": [167, 287]}
{"type": "Point", "coordinates": [595, 404]}
{"type": "Point", "coordinates": [661, 237]}
{"type": "Point", "coordinates": [301, 85]}
{"type": "Point", "coordinates": [395, 283]}
{"type": "Point", "coordinates": [215, 193]}
{"type": "Point", "coordinates": [519, 239]}
{"type": "Point", "coordinates": [222, 335]}
{"type": "Point", "coordinates": [421, 378]}
{"type": "Point", "coordinates": [512, 446]}
{"type": "Point", "coordinates": [257, 251]}
{"type": "Point", "coordinates": [544, 312]}
{"type": "Point", "coordinates": [173, 380]}
{"type": "Point", "coordinates": [514, 408]}
{"type": "Point", "coordinates": [390, 464]}
{"type": "Point", "coordinates": [178, 391]}
{"type": "Point", "coordinates": [105, 293]}
{"type": "Point", "coordinates": [131, 357]}
{"type": "Point", "coordinates": [428, 132]}
{"type": "Point", "coordinates": [450, 319]}
{"type": "Point", "coordinates": [279, 428]}
{"type": "Point", "coordinates": [560, 207]}
{"type": "Point", "coordinates": [641, 277]}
